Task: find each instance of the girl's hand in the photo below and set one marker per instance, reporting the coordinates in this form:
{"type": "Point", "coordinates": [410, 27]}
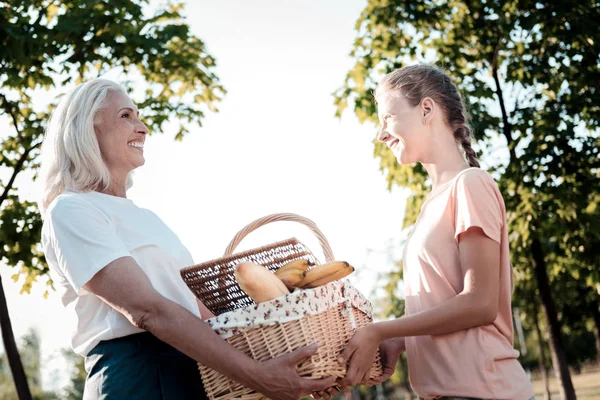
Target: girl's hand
{"type": "Point", "coordinates": [390, 351]}
{"type": "Point", "coordinates": [328, 394]}
{"type": "Point", "coordinates": [360, 353]}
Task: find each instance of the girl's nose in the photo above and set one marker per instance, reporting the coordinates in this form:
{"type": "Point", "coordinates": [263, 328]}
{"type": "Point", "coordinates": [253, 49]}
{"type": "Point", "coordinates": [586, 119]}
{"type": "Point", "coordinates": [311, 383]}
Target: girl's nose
{"type": "Point", "coordinates": [383, 136]}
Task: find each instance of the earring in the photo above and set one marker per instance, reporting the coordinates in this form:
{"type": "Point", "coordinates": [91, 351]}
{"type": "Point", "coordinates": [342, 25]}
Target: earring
{"type": "Point", "coordinates": [424, 120]}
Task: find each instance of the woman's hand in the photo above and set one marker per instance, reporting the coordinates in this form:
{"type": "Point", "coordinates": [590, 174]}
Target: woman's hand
{"type": "Point", "coordinates": [359, 354]}
{"type": "Point", "coordinates": [279, 378]}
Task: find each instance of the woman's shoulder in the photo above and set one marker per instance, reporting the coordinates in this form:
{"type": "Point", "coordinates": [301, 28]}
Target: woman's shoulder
{"type": "Point", "coordinates": [76, 205]}
{"type": "Point", "coordinates": [90, 199]}
{"type": "Point", "coordinates": [65, 201]}
{"type": "Point", "coordinates": [67, 206]}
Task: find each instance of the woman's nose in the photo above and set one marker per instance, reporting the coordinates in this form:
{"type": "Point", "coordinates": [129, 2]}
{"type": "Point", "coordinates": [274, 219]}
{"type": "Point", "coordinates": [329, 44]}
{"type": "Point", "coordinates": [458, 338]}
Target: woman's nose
{"type": "Point", "coordinates": [142, 128]}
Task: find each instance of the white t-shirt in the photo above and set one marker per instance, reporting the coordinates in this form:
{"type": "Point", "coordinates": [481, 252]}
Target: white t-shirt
{"type": "Point", "coordinates": [84, 232]}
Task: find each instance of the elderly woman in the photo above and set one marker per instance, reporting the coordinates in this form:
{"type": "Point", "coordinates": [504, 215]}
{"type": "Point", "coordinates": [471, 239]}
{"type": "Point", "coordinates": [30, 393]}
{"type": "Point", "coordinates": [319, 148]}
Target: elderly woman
{"type": "Point", "coordinates": [116, 266]}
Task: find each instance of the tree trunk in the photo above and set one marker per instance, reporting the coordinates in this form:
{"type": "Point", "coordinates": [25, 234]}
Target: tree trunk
{"type": "Point", "coordinates": [596, 317]}
{"type": "Point", "coordinates": [542, 356]}
{"type": "Point", "coordinates": [10, 347]}
{"type": "Point", "coordinates": [405, 379]}
{"type": "Point", "coordinates": [557, 352]}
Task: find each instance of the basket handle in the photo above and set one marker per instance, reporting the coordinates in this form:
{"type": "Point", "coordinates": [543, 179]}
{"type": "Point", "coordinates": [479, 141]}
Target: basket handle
{"type": "Point", "coordinates": [281, 217]}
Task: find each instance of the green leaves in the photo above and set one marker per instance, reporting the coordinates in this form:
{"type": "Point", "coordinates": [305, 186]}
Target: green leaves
{"type": "Point", "coordinates": [20, 229]}
{"type": "Point", "coordinates": [543, 57]}
{"type": "Point", "coordinates": [48, 44]}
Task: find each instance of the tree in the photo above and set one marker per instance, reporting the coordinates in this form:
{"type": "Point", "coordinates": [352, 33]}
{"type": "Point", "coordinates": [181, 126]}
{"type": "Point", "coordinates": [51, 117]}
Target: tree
{"type": "Point", "coordinates": [12, 353]}
{"type": "Point", "coordinates": [52, 44]}
{"type": "Point", "coordinates": [528, 70]}
{"type": "Point", "coordinates": [31, 351]}
{"type": "Point", "coordinates": [392, 305]}
{"type": "Point", "coordinates": [74, 390]}
{"type": "Point", "coordinates": [542, 352]}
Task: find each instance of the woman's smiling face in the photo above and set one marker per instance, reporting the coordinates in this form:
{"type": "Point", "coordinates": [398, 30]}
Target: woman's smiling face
{"type": "Point", "coordinates": [121, 134]}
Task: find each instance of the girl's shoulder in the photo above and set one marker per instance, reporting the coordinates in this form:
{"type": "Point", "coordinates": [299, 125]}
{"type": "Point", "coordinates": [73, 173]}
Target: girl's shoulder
{"type": "Point", "coordinates": [470, 179]}
{"type": "Point", "coordinates": [474, 180]}
{"type": "Point", "coordinates": [475, 185]}
{"type": "Point", "coordinates": [474, 176]}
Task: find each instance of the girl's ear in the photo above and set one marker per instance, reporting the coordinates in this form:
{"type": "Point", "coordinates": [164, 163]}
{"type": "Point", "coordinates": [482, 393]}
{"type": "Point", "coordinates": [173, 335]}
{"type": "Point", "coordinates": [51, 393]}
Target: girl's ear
{"type": "Point", "coordinates": [427, 108]}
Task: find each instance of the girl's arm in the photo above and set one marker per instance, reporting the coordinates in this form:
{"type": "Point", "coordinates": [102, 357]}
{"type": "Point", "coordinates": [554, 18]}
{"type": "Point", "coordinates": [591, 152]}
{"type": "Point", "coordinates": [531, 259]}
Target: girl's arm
{"type": "Point", "coordinates": [476, 304]}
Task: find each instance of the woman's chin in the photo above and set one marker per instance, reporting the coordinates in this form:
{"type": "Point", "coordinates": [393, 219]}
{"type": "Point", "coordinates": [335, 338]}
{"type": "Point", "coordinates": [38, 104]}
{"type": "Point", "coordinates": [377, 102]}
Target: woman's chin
{"type": "Point", "coordinates": [139, 162]}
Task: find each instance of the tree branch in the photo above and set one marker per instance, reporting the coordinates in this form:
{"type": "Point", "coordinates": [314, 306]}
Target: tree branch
{"type": "Point", "coordinates": [507, 126]}
{"type": "Point", "coordinates": [42, 11]}
{"type": "Point", "coordinates": [10, 347]}
{"type": "Point", "coordinates": [10, 110]}
{"type": "Point", "coordinates": [16, 171]}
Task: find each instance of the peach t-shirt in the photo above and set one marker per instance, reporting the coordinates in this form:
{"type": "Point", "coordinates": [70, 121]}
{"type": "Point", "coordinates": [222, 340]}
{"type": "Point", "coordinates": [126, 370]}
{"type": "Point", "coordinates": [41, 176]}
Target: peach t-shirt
{"type": "Point", "coordinates": [478, 362]}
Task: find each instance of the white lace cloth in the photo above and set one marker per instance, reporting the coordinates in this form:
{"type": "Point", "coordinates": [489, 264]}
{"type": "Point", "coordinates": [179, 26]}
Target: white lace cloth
{"type": "Point", "coordinates": [291, 307]}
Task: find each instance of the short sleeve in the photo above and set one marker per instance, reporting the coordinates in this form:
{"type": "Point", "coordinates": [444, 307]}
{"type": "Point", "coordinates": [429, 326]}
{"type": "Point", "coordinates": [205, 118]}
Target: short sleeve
{"type": "Point", "coordinates": [81, 240]}
{"type": "Point", "coordinates": [478, 203]}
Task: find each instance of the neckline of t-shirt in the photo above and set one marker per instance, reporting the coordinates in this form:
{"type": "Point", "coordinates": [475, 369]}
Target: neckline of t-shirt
{"type": "Point", "coordinates": [447, 184]}
{"type": "Point", "coordinates": [109, 196]}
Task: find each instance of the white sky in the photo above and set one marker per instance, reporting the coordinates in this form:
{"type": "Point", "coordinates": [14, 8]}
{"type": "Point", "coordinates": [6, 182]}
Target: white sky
{"type": "Point", "coordinates": [275, 146]}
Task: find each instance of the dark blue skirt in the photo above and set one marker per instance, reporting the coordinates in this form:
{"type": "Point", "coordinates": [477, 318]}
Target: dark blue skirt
{"type": "Point", "coordinates": [141, 366]}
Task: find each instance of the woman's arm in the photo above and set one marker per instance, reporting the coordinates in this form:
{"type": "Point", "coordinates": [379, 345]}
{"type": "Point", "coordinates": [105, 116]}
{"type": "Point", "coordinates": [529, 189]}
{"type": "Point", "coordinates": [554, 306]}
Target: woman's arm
{"type": "Point", "coordinates": [126, 288]}
{"type": "Point", "coordinates": [476, 304]}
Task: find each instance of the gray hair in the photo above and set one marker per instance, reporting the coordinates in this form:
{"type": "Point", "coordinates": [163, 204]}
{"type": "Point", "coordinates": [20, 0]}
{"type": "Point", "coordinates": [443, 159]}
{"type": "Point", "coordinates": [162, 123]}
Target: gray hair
{"type": "Point", "coordinates": [71, 158]}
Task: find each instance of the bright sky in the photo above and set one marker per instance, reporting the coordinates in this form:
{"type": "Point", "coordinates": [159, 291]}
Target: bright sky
{"type": "Point", "coordinates": [275, 146]}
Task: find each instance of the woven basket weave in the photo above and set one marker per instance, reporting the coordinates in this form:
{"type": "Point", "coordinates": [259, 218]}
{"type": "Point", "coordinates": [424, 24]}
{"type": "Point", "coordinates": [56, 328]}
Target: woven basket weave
{"type": "Point", "coordinates": [213, 282]}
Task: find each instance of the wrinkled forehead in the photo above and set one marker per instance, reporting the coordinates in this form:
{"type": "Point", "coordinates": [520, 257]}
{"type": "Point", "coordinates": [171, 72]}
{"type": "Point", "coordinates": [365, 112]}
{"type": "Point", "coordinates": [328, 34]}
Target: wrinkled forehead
{"type": "Point", "coordinates": [114, 101]}
{"type": "Point", "coordinates": [119, 99]}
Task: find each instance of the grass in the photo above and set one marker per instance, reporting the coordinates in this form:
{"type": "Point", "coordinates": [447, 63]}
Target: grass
{"type": "Point", "coordinates": [587, 386]}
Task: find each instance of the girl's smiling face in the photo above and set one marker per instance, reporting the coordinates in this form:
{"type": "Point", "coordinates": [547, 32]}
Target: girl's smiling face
{"type": "Point", "coordinates": [402, 127]}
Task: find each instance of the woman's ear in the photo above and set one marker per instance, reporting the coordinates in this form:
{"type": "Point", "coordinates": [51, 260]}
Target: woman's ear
{"type": "Point", "coordinates": [427, 108]}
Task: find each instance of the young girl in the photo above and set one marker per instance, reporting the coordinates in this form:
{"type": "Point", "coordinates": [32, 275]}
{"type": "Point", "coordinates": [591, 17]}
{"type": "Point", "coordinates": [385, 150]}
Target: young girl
{"type": "Point", "coordinates": [457, 331]}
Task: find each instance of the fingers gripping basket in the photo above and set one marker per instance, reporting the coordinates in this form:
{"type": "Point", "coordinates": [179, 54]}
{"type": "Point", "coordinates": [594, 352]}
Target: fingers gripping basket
{"type": "Point", "coordinates": [328, 314]}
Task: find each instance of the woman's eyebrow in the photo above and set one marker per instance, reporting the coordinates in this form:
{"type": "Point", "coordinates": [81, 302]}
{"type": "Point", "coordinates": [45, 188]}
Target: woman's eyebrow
{"type": "Point", "coordinates": [130, 109]}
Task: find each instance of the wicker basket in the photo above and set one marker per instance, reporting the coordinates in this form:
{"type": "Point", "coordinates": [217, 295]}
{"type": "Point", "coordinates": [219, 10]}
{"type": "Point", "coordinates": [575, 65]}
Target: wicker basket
{"type": "Point", "coordinates": [214, 284]}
